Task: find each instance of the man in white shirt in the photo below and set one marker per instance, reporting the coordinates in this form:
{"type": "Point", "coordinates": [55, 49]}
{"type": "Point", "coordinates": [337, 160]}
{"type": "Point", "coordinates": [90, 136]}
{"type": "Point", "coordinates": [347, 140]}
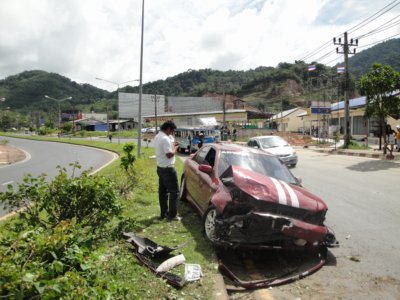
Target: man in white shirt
{"type": "Point", "coordinates": [166, 148]}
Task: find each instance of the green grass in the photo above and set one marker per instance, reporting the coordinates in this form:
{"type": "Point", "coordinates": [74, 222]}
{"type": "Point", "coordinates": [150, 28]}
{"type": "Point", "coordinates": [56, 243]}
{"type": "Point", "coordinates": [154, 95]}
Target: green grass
{"type": "Point", "coordinates": [356, 146]}
{"type": "Point", "coordinates": [118, 264]}
{"type": "Point", "coordinates": [143, 211]}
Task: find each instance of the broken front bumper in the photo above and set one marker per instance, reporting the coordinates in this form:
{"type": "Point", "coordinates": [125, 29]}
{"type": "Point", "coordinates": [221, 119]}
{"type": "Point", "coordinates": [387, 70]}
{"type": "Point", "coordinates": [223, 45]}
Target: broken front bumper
{"type": "Point", "coordinates": [265, 229]}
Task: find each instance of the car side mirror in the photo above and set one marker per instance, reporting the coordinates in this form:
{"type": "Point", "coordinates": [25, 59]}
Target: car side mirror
{"type": "Point", "coordinates": [205, 169]}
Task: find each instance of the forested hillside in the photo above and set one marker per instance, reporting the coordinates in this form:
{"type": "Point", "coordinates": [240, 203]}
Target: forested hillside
{"type": "Point", "coordinates": [386, 53]}
{"type": "Point", "coordinates": [267, 88]}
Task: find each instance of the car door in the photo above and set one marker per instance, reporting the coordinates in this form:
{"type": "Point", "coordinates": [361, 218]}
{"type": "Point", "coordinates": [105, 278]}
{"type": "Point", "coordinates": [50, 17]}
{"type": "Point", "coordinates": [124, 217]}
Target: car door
{"type": "Point", "coordinates": [193, 174]}
{"type": "Point", "coordinates": [206, 186]}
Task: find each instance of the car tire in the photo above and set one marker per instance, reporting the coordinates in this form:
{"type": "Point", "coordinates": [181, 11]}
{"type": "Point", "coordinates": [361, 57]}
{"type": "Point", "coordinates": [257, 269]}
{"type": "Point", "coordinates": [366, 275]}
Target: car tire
{"type": "Point", "coordinates": [293, 165]}
{"type": "Point", "coordinates": [182, 190]}
{"type": "Point", "coordinates": [209, 220]}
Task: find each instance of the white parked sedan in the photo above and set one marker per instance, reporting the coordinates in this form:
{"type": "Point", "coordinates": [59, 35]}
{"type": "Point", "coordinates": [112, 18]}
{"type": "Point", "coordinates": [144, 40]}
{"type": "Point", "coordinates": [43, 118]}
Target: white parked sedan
{"type": "Point", "coordinates": [277, 146]}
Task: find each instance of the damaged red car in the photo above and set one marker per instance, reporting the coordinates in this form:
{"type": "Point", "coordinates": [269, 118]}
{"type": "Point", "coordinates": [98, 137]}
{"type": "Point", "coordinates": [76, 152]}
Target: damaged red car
{"type": "Point", "coordinates": [248, 198]}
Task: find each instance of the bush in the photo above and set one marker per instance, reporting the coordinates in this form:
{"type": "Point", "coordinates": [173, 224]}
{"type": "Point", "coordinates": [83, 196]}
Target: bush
{"type": "Point", "coordinates": [135, 171]}
{"type": "Point", "coordinates": [50, 251]}
{"type": "Point", "coordinates": [90, 200]}
{"type": "Point", "coordinates": [50, 263]}
{"type": "Point", "coordinates": [128, 160]}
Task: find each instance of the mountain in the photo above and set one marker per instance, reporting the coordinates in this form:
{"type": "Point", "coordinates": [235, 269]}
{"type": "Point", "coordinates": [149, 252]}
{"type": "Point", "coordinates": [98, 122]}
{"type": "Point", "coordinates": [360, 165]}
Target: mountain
{"type": "Point", "coordinates": [263, 85]}
{"type": "Point", "coordinates": [268, 88]}
{"type": "Point", "coordinates": [386, 53]}
{"type": "Point", "coordinates": [25, 91]}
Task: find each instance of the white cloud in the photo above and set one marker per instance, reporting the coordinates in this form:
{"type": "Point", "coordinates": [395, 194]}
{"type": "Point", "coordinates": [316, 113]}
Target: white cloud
{"type": "Point", "coordinates": [99, 38]}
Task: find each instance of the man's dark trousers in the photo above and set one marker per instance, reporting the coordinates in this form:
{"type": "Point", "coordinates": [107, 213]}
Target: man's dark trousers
{"type": "Point", "coordinates": [168, 184]}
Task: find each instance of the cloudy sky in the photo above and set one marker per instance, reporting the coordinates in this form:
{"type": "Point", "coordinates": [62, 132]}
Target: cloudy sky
{"type": "Point", "coordinates": [85, 39]}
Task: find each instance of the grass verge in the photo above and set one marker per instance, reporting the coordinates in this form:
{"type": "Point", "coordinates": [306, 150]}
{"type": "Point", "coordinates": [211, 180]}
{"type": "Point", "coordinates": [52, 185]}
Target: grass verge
{"type": "Point", "coordinates": [117, 265]}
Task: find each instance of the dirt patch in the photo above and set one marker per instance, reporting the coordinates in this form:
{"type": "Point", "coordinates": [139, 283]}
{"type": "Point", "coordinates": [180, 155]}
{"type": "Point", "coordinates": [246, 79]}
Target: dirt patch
{"type": "Point", "coordinates": [9, 155]}
{"type": "Point", "coordinates": [295, 139]}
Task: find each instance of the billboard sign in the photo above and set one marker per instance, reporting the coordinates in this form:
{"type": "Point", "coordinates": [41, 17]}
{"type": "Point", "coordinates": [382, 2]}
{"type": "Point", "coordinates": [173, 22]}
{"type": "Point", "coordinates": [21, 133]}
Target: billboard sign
{"type": "Point", "coordinates": [321, 110]}
{"type": "Point", "coordinates": [128, 105]}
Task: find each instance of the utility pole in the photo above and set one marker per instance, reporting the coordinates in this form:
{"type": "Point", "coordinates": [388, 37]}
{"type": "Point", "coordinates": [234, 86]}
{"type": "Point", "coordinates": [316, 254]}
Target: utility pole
{"type": "Point", "coordinates": [224, 107]}
{"type": "Point", "coordinates": [108, 121]}
{"type": "Point", "coordinates": [346, 52]}
{"type": "Point", "coordinates": [118, 84]}
{"type": "Point", "coordinates": [224, 130]}
{"type": "Point", "coordinates": [139, 143]}
{"type": "Point", "coordinates": [282, 127]}
{"type": "Point", "coordinates": [59, 107]}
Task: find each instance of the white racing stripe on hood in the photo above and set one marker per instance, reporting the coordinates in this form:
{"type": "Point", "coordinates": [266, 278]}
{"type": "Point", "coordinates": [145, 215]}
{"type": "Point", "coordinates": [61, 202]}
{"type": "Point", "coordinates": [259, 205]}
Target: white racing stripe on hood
{"type": "Point", "coordinates": [281, 192]}
{"type": "Point", "coordinates": [293, 196]}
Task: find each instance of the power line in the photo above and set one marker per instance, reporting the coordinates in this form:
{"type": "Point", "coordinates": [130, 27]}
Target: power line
{"type": "Point", "coordinates": [326, 55]}
{"type": "Point", "coordinates": [336, 58]}
{"type": "Point", "coordinates": [384, 25]}
{"type": "Point", "coordinates": [374, 43]}
{"type": "Point", "coordinates": [377, 30]}
{"type": "Point", "coordinates": [364, 46]}
{"type": "Point", "coordinates": [374, 17]}
{"type": "Point", "coordinates": [327, 44]}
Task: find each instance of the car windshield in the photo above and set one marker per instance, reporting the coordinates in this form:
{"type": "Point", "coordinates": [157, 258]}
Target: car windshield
{"type": "Point", "coordinates": [270, 142]}
{"type": "Point", "coordinates": [259, 163]}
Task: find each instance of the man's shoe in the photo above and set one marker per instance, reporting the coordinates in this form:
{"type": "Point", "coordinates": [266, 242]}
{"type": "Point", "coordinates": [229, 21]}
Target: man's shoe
{"type": "Point", "coordinates": [176, 218]}
{"type": "Point", "coordinates": [163, 217]}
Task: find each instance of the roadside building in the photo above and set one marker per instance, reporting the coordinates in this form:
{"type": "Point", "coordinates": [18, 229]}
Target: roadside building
{"type": "Point", "coordinates": [91, 125]}
{"type": "Point", "coordinates": [333, 121]}
{"type": "Point", "coordinates": [359, 125]}
{"type": "Point", "coordinates": [288, 120]}
{"type": "Point", "coordinates": [197, 118]}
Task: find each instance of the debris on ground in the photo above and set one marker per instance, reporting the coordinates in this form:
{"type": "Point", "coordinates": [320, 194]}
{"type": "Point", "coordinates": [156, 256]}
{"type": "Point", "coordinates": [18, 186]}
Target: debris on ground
{"type": "Point", "coordinates": [159, 260]}
{"type": "Point", "coordinates": [193, 272]}
{"type": "Point", "coordinates": [354, 258]}
{"type": "Point", "coordinates": [171, 263]}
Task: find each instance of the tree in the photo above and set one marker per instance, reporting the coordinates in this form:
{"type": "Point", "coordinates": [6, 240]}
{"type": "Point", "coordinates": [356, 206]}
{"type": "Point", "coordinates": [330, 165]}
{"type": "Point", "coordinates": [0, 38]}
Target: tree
{"type": "Point", "coordinates": [380, 86]}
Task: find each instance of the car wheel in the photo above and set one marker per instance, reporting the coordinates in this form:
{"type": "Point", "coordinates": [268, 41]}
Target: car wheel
{"type": "Point", "coordinates": [293, 166]}
{"type": "Point", "coordinates": [209, 219]}
{"type": "Point", "coordinates": [182, 190]}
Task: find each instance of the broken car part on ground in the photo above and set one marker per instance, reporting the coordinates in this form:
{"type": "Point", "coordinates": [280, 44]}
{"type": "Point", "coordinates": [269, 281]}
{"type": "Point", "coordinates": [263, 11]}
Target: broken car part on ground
{"type": "Point", "coordinates": [150, 253]}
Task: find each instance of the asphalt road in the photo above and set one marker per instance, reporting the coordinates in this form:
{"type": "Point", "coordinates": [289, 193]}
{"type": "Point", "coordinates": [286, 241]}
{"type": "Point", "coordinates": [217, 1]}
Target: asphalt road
{"type": "Point", "coordinates": [363, 196]}
{"type": "Point", "coordinates": [44, 157]}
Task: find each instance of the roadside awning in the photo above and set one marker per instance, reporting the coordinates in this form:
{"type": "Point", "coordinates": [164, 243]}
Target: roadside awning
{"type": "Point", "coordinates": [211, 121]}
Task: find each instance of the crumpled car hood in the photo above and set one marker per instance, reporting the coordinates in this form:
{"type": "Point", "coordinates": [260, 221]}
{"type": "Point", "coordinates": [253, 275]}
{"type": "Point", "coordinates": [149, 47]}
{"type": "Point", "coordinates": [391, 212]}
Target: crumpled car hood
{"type": "Point", "coordinates": [265, 188]}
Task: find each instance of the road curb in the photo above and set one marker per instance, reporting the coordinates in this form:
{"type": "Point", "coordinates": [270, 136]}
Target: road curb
{"type": "Point", "coordinates": [360, 154]}
{"type": "Point", "coordinates": [219, 289]}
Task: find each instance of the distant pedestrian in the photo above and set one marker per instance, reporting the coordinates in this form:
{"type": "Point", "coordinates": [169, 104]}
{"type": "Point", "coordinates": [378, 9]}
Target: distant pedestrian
{"type": "Point", "coordinates": [201, 137]}
{"type": "Point", "coordinates": [398, 137]}
{"type": "Point", "coordinates": [168, 189]}
{"type": "Point", "coordinates": [110, 137]}
{"type": "Point", "coordinates": [190, 143]}
{"type": "Point", "coordinates": [234, 134]}
{"type": "Point", "coordinates": [390, 137]}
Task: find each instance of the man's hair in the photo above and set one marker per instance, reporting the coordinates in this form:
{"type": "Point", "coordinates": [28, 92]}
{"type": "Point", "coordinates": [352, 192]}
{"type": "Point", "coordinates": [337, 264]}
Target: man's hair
{"type": "Point", "coordinates": [168, 124]}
